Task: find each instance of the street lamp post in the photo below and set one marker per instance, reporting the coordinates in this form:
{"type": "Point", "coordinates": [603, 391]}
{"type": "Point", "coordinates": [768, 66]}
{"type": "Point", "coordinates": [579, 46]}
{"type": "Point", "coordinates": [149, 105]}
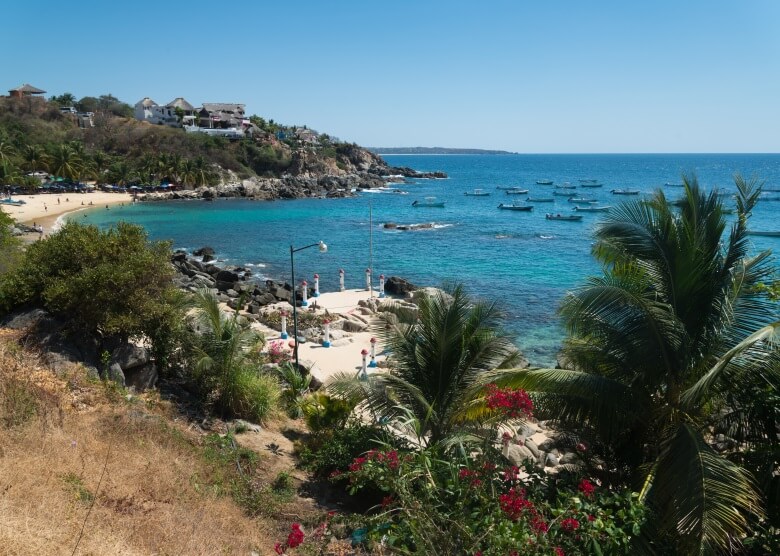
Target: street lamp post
{"type": "Point", "coordinates": [323, 249]}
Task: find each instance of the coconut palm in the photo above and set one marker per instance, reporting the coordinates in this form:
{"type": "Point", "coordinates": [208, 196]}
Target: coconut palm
{"type": "Point", "coordinates": [7, 150]}
{"type": "Point", "coordinates": [35, 158]}
{"type": "Point", "coordinates": [100, 162]}
{"type": "Point", "coordinates": [439, 366]}
{"type": "Point", "coordinates": [121, 173]}
{"type": "Point", "coordinates": [65, 162]}
{"type": "Point", "coordinates": [658, 341]}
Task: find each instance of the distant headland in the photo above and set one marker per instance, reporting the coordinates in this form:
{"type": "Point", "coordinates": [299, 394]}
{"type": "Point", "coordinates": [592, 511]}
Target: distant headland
{"type": "Point", "coordinates": [431, 150]}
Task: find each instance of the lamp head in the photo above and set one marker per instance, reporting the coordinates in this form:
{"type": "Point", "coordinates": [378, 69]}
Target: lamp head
{"type": "Point", "coordinates": [323, 247]}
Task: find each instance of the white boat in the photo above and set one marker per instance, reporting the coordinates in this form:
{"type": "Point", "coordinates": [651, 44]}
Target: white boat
{"type": "Point", "coordinates": [564, 217]}
{"type": "Point", "coordinates": [566, 185]}
{"type": "Point", "coordinates": [429, 202]}
{"type": "Point", "coordinates": [9, 201]}
{"type": "Point", "coordinates": [540, 200]}
{"type": "Point", "coordinates": [515, 206]}
{"type": "Point", "coordinates": [564, 193]}
{"type": "Point", "coordinates": [582, 200]}
{"type": "Point", "coordinates": [516, 191]}
{"type": "Point", "coordinates": [625, 192]}
{"type": "Point", "coordinates": [544, 182]}
{"type": "Point", "coordinates": [589, 184]}
{"type": "Point", "coordinates": [589, 181]}
{"type": "Point", "coordinates": [592, 209]}
{"type": "Point", "coordinates": [477, 193]}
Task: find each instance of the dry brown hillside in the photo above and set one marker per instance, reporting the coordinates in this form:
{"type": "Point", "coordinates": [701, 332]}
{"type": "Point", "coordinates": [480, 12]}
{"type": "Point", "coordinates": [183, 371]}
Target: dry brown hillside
{"type": "Point", "coordinates": [84, 465]}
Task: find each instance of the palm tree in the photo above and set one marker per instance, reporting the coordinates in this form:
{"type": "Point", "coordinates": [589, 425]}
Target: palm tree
{"type": "Point", "coordinates": [224, 353]}
{"type": "Point", "coordinates": [202, 173]}
{"type": "Point", "coordinates": [121, 173]}
{"type": "Point", "coordinates": [440, 367]}
{"type": "Point", "coordinates": [653, 344]}
{"type": "Point", "coordinates": [35, 157]}
{"type": "Point", "coordinates": [65, 162]}
{"type": "Point", "coordinates": [7, 150]}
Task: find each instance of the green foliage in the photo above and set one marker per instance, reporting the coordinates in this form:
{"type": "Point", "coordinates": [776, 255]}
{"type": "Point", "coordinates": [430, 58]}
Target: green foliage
{"type": "Point", "coordinates": [111, 283]}
{"type": "Point", "coordinates": [437, 505]}
{"type": "Point", "coordinates": [10, 246]}
{"type": "Point", "coordinates": [332, 450]}
{"type": "Point", "coordinates": [18, 402]}
{"type": "Point", "coordinates": [664, 347]}
{"type": "Point", "coordinates": [75, 485]}
{"type": "Point", "coordinates": [322, 412]}
{"type": "Point", "coordinates": [226, 356]}
{"type": "Point", "coordinates": [295, 386]}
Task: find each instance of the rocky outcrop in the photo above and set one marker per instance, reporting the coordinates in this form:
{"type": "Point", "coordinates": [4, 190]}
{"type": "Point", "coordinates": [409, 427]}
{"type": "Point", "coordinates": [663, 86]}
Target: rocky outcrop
{"type": "Point", "coordinates": [398, 286]}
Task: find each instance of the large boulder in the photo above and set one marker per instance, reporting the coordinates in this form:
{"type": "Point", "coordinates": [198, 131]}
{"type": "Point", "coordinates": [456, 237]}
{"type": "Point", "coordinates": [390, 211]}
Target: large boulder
{"type": "Point", "coordinates": [142, 378]}
{"type": "Point", "coordinates": [115, 374]}
{"type": "Point", "coordinates": [205, 250]}
{"type": "Point", "coordinates": [398, 286]}
{"type": "Point", "coordinates": [130, 356]}
{"type": "Point", "coordinates": [21, 320]}
{"type": "Point", "coordinates": [517, 455]}
{"type": "Point", "coordinates": [226, 276]}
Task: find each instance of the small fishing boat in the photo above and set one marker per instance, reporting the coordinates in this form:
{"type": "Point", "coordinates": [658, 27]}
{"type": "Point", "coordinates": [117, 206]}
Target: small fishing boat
{"type": "Point", "coordinates": [590, 181]}
{"type": "Point", "coordinates": [540, 200]}
{"type": "Point", "coordinates": [582, 200]}
{"type": "Point", "coordinates": [667, 184]}
{"type": "Point", "coordinates": [565, 193]}
{"type": "Point", "coordinates": [429, 202]}
{"type": "Point", "coordinates": [9, 201]}
{"type": "Point", "coordinates": [763, 233]}
{"type": "Point", "coordinates": [564, 217]}
{"type": "Point", "coordinates": [625, 192]}
{"type": "Point", "coordinates": [566, 185]}
{"type": "Point", "coordinates": [477, 193]}
{"type": "Point", "coordinates": [514, 206]}
{"type": "Point", "coordinates": [592, 209]}
{"type": "Point", "coordinates": [544, 182]}
{"type": "Point", "coordinates": [506, 187]}
{"type": "Point", "coordinates": [516, 191]}
{"type": "Point", "coordinates": [591, 184]}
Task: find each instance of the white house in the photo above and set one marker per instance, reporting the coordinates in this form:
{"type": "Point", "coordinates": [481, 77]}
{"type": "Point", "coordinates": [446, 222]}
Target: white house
{"type": "Point", "coordinates": [146, 110]}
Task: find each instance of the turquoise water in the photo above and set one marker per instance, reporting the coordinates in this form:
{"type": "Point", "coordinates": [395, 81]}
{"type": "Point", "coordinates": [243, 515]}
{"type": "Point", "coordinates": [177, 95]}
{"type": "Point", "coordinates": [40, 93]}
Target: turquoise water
{"type": "Point", "coordinates": [519, 258]}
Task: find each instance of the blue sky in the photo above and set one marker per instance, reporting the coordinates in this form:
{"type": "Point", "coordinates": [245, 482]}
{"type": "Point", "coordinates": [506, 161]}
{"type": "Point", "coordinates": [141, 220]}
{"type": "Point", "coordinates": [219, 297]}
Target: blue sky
{"type": "Point", "coordinates": [526, 76]}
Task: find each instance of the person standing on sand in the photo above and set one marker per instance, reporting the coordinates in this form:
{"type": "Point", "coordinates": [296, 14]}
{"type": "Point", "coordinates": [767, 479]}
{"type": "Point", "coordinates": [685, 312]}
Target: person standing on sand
{"type": "Point", "coordinates": [58, 200]}
{"type": "Point", "coordinates": [45, 208]}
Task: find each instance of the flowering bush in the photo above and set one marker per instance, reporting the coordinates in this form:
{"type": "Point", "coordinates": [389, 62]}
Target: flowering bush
{"type": "Point", "coordinates": [512, 403]}
{"type": "Point", "coordinates": [437, 505]}
{"type": "Point", "coordinates": [278, 353]}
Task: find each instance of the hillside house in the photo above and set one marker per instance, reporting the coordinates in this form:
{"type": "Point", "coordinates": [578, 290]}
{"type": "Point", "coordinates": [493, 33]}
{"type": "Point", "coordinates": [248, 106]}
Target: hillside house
{"type": "Point", "coordinates": [146, 110]}
{"type": "Point", "coordinates": [26, 90]}
{"type": "Point", "coordinates": [188, 110]}
{"type": "Point", "coordinates": [222, 115]}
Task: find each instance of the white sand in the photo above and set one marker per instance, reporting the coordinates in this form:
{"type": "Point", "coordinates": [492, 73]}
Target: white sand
{"type": "Point", "coordinates": [344, 354]}
{"type": "Point", "coordinates": [44, 210]}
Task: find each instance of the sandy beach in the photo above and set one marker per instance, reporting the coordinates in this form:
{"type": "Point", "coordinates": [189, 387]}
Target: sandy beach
{"type": "Point", "coordinates": [344, 353]}
{"type": "Point", "coordinates": [44, 210]}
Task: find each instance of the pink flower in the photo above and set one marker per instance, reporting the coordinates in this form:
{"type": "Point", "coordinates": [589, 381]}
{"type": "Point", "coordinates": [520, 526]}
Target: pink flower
{"type": "Point", "coordinates": [559, 551]}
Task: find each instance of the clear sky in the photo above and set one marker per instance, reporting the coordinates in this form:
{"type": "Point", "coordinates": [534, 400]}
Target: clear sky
{"type": "Point", "coordinates": [528, 76]}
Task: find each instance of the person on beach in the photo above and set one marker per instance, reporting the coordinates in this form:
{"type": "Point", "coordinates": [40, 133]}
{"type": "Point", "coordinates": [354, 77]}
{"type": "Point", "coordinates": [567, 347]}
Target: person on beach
{"type": "Point", "coordinates": [45, 208]}
{"type": "Point", "coordinates": [58, 200]}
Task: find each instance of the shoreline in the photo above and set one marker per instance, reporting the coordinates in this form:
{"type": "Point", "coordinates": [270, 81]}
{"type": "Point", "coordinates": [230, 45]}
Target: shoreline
{"type": "Point", "coordinates": [44, 209]}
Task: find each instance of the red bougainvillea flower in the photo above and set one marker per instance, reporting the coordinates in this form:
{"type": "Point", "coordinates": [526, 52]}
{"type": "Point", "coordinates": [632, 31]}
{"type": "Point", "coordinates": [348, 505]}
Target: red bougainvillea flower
{"type": "Point", "coordinates": [570, 524]}
{"type": "Point", "coordinates": [559, 551]}
{"type": "Point", "coordinates": [591, 517]}
{"type": "Point", "coordinates": [586, 487]}
{"type": "Point", "coordinates": [278, 548]}
{"type": "Point", "coordinates": [505, 438]}
{"type": "Point", "coordinates": [296, 536]}
{"type": "Point", "coordinates": [581, 447]}
{"type": "Point", "coordinates": [511, 402]}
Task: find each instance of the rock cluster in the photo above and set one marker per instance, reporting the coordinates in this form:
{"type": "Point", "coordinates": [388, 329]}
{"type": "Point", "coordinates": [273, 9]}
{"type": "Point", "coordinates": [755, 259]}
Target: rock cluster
{"type": "Point", "coordinates": [547, 449]}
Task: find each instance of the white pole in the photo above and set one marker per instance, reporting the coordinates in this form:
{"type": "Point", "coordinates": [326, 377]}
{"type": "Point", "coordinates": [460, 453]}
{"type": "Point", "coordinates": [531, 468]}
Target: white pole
{"type": "Point", "coordinates": [326, 334]}
{"type": "Point", "coordinates": [363, 371]}
{"type": "Point", "coordinates": [373, 353]}
{"type": "Point", "coordinates": [304, 293]}
{"type": "Point", "coordinates": [283, 335]}
{"type": "Point", "coordinates": [316, 285]}
{"type": "Point", "coordinates": [341, 279]}
{"type": "Point", "coordinates": [368, 279]}
{"type": "Point", "coordinates": [381, 285]}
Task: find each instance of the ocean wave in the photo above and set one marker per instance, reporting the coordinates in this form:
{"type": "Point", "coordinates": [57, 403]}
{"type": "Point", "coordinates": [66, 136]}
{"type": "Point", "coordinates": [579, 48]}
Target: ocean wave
{"type": "Point", "coordinates": [256, 265]}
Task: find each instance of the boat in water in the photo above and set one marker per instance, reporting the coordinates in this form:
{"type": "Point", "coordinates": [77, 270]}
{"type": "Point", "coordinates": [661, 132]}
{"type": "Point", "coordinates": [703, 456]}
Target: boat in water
{"type": "Point", "coordinates": [564, 217]}
{"type": "Point", "coordinates": [582, 200]}
{"type": "Point", "coordinates": [477, 193]}
{"type": "Point", "coordinates": [566, 185]}
{"type": "Point", "coordinates": [625, 192]}
{"type": "Point", "coordinates": [592, 182]}
{"type": "Point", "coordinates": [517, 192]}
{"type": "Point", "coordinates": [507, 187]}
{"type": "Point", "coordinates": [544, 182]}
{"type": "Point", "coordinates": [429, 202]}
{"type": "Point", "coordinates": [514, 206]}
{"type": "Point", "coordinates": [667, 184]}
{"type": "Point", "coordinates": [592, 209]}
{"type": "Point", "coordinates": [540, 200]}
{"type": "Point", "coordinates": [564, 193]}
{"type": "Point", "coordinates": [589, 184]}
{"type": "Point", "coordinates": [763, 233]}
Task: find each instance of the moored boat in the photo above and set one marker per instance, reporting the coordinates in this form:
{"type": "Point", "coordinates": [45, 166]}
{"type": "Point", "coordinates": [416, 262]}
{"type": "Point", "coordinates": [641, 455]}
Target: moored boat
{"type": "Point", "coordinates": [513, 206]}
{"type": "Point", "coordinates": [589, 181]}
{"type": "Point", "coordinates": [506, 187]}
{"type": "Point", "coordinates": [591, 184]}
{"type": "Point", "coordinates": [566, 185]}
{"type": "Point", "coordinates": [544, 182]}
{"type": "Point", "coordinates": [581, 200]}
{"type": "Point", "coordinates": [764, 233]}
{"type": "Point", "coordinates": [592, 209]}
{"type": "Point", "coordinates": [564, 193]}
{"type": "Point", "coordinates": [540, 200]}
{"type": "Point", "coordinates": [477, 193]}
{"type": "Point", "coordinates": [429, 202]}
{"type": "Point", "coordinates": [625, 192]}
{"type": "Point", "coordinates": [564, 217]}
{"type": "Point", "coordinates": [667, 184]}
{"type": "Point", "coordinates": [9, 201]}
{"type": "Point", "coordinates": [516, 191]}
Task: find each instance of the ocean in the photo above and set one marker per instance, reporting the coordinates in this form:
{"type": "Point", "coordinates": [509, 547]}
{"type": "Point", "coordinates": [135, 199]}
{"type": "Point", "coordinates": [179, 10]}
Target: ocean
{"type": "Point", "coordinates": [520, 259]}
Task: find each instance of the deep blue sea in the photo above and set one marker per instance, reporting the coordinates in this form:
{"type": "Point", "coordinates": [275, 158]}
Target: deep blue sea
{"type": "Point", "coordinates": [521, 259]}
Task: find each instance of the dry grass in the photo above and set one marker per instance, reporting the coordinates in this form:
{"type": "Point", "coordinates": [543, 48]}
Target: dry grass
{"type": "Point", "coordinates": [158, 494]}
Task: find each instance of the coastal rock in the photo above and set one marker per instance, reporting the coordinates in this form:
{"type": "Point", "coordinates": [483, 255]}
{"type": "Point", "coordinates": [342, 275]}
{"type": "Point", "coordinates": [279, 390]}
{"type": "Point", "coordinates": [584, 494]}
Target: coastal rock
{"type": "Point", "coordinates": [142, 378]}
{"type": "Point", "coordinates": [130, 356]}
{"type": "Point", "coordinates": [531, 445]}
{"type": "Point", "coordinates": [350, 325]}
{"type": "Point", "coordinates": [116, 375]}
{"type": "Point", "coordinates": [226, 276]}
{"type": "Point", "coordinates": [518, 454]}
{"type": "Point", "coordinates": [551, 461]}
{"type": "Point", "coordinates": [21, 320]}
{"type": "Point", "coordinates": [568, 458]}
{"type": "Point", "coordinates": [398, 286]}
